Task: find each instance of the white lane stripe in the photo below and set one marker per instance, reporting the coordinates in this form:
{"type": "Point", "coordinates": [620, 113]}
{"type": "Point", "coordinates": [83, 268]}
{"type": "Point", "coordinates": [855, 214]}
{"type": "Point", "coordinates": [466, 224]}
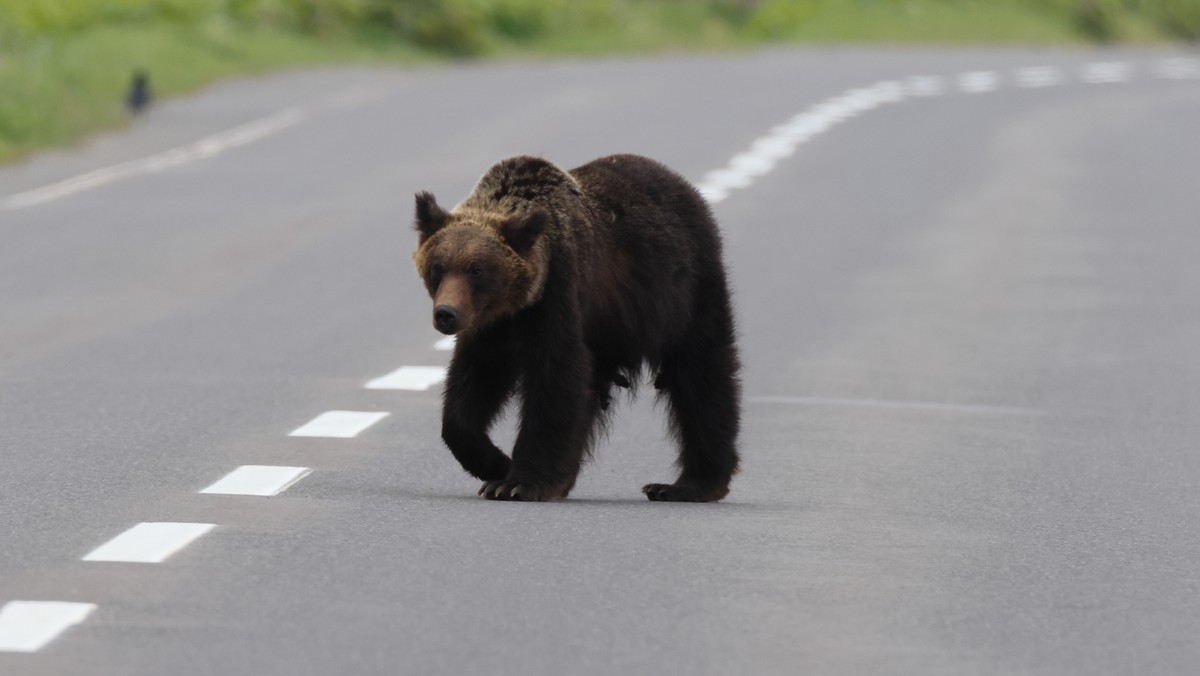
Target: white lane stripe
{"type": "Point", "coordinates": [766, 151]}
{"type": "Point", "coordinates": [978, 82]}
{"type": "Point", "coordinates": [409, 378]}
{"type": "Point", "coordinates": [906, 405]}
{"type": "Point", "coordinates": [1178, 68]}
{"type": "Point", "coordinates": [773, 148]}
{"type": "Point", "coordinates": [265, 480]}
{"type": "Point", "coordinates": [925, 85]}
{"type": "Point", "coordinates": [1039, 76]}
{"type": "Point", "coordinates": [444, 344]}
{"type": "Point", "coordinates": [780, 142]}
{"type": "Point", "coordinates": [1101, 73]}
{"type": "Point", "coordinates": [149, 542]}
{"type": "Point", "coordinates": [888, 91]}
{"type": "Point", "coordinates": [27, 626]}
{"type": "Point", "coordinates": [338, 424]}
{"type": "Point", "coordinates": [204, 148]}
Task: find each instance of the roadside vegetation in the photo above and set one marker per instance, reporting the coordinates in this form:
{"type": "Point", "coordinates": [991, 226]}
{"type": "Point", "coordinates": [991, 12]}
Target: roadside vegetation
{"type": "Point", "coordinates": [64, 64]}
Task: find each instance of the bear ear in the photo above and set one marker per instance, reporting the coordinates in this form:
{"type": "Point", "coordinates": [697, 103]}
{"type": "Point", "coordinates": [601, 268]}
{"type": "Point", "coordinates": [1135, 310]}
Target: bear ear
{"type": "Point", "coordinates": [430, 216]}
{"type": "Point", "coordinates": [521, 232]}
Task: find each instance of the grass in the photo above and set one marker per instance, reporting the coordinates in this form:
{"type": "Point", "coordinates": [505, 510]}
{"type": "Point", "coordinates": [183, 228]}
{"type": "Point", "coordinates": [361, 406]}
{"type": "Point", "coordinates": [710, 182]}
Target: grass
{"type": "Point", "coordinates": [947, 22]}
{"type": "Point", "coordinates": [64, 64]}
{"type": "Point", "coordinates": [650, 28]}
{"type": "Point", "coordinates": [61, 88]}
{"type": "Point", "coordinates": [935, 22]}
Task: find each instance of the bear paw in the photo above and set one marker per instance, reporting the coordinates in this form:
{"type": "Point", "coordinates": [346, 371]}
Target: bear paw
{"type": "Point", "coordinates": [516, 490]}
{"type": "Point", "coordinates": [684, 492]}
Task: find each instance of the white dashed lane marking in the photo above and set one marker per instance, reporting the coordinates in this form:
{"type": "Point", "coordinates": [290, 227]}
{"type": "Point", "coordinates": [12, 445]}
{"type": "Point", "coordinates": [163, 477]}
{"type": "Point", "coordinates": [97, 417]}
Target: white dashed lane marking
{"type": "Point", "coordinates": [978, 82]}
{"type": "Point", "coordinates": [338, 424]}
{"type": "Point", "coordinates": [409, 378]}
{"type": "Point", "coordinates": [925, 85]}
{"type": "Point", "coordinates": [1039, 76]}
{"type": "Point", "coordinates": [264, 480]}
{"type": "Point", "coordinates": [1178, 69]}
{"type": "Point", "coordinates": [27, 626]}
{"type": "Point", "coordinates": [1101, 73]}
{"type": "Point", "coordinates": [150, 542]}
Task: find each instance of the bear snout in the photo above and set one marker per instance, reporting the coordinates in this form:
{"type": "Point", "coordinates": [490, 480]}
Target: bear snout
{"type": "Point", "coordinates": [445, 319]}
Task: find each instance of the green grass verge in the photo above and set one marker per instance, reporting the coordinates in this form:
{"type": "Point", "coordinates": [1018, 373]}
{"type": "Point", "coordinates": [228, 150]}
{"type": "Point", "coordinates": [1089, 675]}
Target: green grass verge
{"type": "Point", "coordinates": [60, 88]}
{"type": "Point", "coordinates": [64, 64]}
{"type": "Point", "coordinates": [934, 21]}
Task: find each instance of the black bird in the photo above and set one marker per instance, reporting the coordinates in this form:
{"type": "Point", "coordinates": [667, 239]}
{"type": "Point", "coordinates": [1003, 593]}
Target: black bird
{"type": "Point", "coordinates": [139, 95]}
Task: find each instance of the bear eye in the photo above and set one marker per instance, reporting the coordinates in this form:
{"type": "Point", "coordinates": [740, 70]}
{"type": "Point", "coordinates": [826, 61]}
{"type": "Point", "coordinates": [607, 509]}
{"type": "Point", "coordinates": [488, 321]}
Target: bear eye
{"type": "Point", "coordinates": [476, 270]}
{"type": "Point", "coordinates": [437, 268]}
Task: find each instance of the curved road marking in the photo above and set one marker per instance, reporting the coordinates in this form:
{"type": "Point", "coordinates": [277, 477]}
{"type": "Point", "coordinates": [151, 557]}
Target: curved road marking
{"type": "Point", "coordinates": [1178, 69]}
{"type": "Point", "coordinates": [1101, 73]}
{"type": "Point", "coordinates": [978, 82]}
{"type": "Point", "coordinates": [925, 85]}
{"type": "Point", "coordinates": [781, 141]}
{"type": "Point", "coordinates": [1038, 76]}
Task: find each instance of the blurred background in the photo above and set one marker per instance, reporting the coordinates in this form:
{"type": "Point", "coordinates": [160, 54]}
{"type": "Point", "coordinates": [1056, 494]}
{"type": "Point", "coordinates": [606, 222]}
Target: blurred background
{"type": "Point", "coordinates": [66, 64]}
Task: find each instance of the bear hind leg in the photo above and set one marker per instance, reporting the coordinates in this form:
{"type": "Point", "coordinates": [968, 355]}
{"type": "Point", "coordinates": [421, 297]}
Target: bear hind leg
{"type": "Point", "coordinates": [699, 379]}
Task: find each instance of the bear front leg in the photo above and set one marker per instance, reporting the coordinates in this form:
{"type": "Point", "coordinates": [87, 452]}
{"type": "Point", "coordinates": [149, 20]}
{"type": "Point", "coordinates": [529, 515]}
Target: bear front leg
{"type": "Point", "coordinates": [557, 394]}
{"type": "Point", "coordinates": [480, 379]}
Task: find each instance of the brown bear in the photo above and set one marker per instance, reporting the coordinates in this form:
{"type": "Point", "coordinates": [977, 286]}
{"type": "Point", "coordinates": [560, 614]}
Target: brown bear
{"type": "Point", "coordinates": [561, 285]}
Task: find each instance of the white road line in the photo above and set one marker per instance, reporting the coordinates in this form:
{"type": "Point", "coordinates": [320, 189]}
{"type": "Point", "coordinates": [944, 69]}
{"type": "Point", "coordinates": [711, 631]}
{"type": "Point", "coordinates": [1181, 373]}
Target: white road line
{"type": "Point", "coordinates": [444, 344]}
{"type": "Point", "coordinates": [1038, 76]}
{"type": "Point", "coordinates": [338, 424]}
{"type": "Point", "coordinates": [925, 85]}
{"type": "Point", "coordinates": [27, 626]}
{"type": "Point", "coordinates": [906, 405]}
{"type": "Point", "coordinates": [888, 91]}
{"type": "Point", "coordinates": [409, 378]}
{"type": "Point", "coordinates": [781, 141]}
{"type": "Point", "coordinates": [204, 148]}
{"type": "Point", "coordinates": [265, 480]}
{"type": "Point", "coordinates": [1101, 73]}
{"type": "Point", "coordinates": [765, 152]}
{"type": "Point", "coordinates": [149, 542]}
{"type": "Point", "coordinates": [978, 82]}
{"type": "Point", "coordinates": [1178, 68]}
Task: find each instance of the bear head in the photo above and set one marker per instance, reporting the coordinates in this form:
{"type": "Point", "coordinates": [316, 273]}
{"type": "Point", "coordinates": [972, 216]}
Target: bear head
{"type": "Point", "coordinates": [479, 266]}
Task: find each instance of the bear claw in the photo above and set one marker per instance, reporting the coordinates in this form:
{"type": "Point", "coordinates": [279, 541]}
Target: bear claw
{"type": "Point", "coordinates": [507, 490]}
{"type": "Point", "coordinates": [683, 492]}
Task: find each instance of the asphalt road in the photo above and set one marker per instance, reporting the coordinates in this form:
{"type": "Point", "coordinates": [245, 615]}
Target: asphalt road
{"type": "Point", "coordinates": [969, 321]}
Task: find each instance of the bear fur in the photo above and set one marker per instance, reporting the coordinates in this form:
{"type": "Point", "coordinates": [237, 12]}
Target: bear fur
{"type": "Point", "coordinates": [561, 285]}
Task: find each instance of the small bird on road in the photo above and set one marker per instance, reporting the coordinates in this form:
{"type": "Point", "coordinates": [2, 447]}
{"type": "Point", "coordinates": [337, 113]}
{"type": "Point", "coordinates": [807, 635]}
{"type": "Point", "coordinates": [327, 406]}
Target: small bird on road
{"type": "Point", "coordinates": [139, 97]}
